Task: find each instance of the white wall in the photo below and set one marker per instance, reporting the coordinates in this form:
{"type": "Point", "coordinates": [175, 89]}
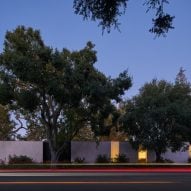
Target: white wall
{"type": "Point", "coordinates": [89, 150]}
{"type": "Point", "coordinates": [127, 149]}
{"type": "Point", "coordinates": [32, 149]}
{"type": "Point", "coordinates": [178, 157]}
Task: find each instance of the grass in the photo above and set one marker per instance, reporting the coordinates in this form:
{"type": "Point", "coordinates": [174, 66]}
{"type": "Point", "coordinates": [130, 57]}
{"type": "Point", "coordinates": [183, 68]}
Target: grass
{"type": "Point", "coordinates": [94, 166]}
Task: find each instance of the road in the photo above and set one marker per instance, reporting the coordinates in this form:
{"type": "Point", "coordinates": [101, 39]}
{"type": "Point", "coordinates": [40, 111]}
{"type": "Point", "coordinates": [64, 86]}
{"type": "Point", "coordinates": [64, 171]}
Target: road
{"type": "Point", "coordinates": [87, 181]}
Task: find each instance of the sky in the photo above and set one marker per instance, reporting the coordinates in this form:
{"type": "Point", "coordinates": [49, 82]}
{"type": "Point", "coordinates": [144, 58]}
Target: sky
{"type": "Point", "coordinates": [133, 48]}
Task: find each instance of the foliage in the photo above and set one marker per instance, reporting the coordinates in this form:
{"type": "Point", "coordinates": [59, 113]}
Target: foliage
{"type": "Point", "coordinates": [6, 126]}
{"type": "Point", "coordinates": [61, 91]}
{"type": "Point", "coordinates": [121, 158]}
{"type": "Point", "coordinates": [168, 161]}
{"type": "Point", "coordinates": [22, 159]}
{"type": "Point", "coordinates": [163, 160]}
{"type": "Point", "coordinates": [181, 95]}
{"type": "Point", "coordinates": [162, 24]}
{"type": "Point", "coordinates": [159, 117]}
{"type": "Point", "coordinates": [162, 21]}
{"type": "Point", "coordinates": [102, 159]}
{"type": "Point", "coordinates": [35, 133]}
{"type": "Point", "coordinates": [2, 162]}
{"type": "Point", "coordinates": [84, 134]}
{"type": "Point", "coordinates": [79, 160]}
{"type": "Point", "coordinates": [107, 13]}
{"type": "Point", "coordinates": [5, 92]}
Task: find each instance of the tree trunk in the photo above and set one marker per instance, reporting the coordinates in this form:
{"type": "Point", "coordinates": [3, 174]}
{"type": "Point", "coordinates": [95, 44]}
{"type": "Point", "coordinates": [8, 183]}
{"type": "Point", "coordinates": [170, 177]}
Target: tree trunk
{"type": "Point", "coordinates": [53, 152]}
{"type": "Point", "coordinates": [54, 157]}
{"type": "Point", "coordinates": [158, 156]}
{"type": "Point", "coordinates": [62, 154]}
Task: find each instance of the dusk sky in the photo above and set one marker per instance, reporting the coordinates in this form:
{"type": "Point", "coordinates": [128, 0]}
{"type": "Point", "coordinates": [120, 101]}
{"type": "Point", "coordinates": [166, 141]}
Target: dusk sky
{"type": "Point", "coordinates": [134, 48]}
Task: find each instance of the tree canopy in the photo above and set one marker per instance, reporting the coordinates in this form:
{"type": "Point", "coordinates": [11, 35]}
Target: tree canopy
{"type": "Point", "coordinates": [159, 116]}
{"type": "Point", "coordinates": [61, 91]}
{"type": "Point", "coordinates": [106, 12]}
{"type": "Point", "coordinates": [6, 126]}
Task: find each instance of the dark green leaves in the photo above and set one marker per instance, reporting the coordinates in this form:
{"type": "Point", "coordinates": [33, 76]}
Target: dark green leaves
{"type": "Point", "coordinates": [6, 94]}
{"type": "Point", "coordinates": [162, 24]}
{"type": "Point", "coordinates": [105, 11]}
{"type": "Point", "coordinates": [61, 91]}
{"type": "Point", "coordinates": [159, 116]}
{"type": "Point", "coordinates": [28, 100]}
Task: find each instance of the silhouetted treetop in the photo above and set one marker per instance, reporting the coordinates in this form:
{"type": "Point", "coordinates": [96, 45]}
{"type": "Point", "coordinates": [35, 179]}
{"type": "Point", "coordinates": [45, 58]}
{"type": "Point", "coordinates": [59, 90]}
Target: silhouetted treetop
{"type": "Point", "coordinates": [107, 12]}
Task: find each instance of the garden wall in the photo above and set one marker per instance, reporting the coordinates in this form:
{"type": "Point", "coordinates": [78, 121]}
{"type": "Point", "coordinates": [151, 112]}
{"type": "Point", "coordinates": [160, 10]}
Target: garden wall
{"type": "Point", "coordinates": [89, 150]}
{"type": "Point", "coordinates": [32, 149]}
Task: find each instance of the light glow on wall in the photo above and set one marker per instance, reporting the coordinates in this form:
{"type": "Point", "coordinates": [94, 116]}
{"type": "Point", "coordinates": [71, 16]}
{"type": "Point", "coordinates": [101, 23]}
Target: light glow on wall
{"type": "Point", "coordinates": [189, 151]}
{"type": "Point", "coordinates": [114, 149]}
{"type": "Point", "coordinates": [142, 155]}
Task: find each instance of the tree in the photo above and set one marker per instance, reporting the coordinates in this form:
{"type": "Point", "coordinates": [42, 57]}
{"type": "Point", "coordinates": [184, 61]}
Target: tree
{"type": "Point", "coordinates": [6, 127]}
{"type": "Point", "coordinates": [34, 133]}
{"type": "Point", "coordinates": [157, 118]}
{"type": "Point", "coordinates": [84, 134]}
{"type": "Point", "coordinates": [106, 12]}
{"type": "Point", "coordinates": [182, 91]}
{"type": "Point", "coordinates": [61, 91]}
{"type": "Point", "coordinates": [181, 79]}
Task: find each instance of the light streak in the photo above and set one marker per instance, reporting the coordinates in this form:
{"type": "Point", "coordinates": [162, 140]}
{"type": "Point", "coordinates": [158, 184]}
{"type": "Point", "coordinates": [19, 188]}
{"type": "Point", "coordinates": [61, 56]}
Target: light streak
{"type": "Point", "coordinates": [86, 182]}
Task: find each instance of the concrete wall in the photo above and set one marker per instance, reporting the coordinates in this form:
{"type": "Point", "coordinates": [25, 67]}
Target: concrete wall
{"type": "Point", "coordinates": [179, 157]}
{"type": "Point", "coordinates": [126, 148]}
{"type": "Point", "coordinates": [89, 150]}
{"type": "Point", "coordinates": [151, 156]}
{"type": "Point", "coordinates": [32, 149]}
{"type": "Point", "coordinates": [132, 154]}
{"type": "Point", "coordinates": [82, 149]}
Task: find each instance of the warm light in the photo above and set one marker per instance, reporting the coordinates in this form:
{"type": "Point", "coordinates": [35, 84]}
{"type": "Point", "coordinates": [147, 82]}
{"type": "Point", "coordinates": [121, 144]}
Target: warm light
{"type": "Point", "coordinates": [142, 155]}
{"type": "Point", "coordinates": [114, 149]}
{"type": "Point", "coordinates": [189, 151]}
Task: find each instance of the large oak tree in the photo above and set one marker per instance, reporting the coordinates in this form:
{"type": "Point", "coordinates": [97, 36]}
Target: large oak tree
{"type": "Point", "coordinates": [60, 91]}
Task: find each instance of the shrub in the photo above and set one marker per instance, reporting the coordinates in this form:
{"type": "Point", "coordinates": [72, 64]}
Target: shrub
{"type": "Point", "coordinates": [22, 159]}
{"type": "Point", "coordinates": [102, 159]}
{"type": "Point", "coordinates": [2, 162]}
{"type": "Point", "coordinates": [121, 158]}
{"type": "Point", "coordinates": [79, 160]}
{"type": "Point", "coordinates": [163, 160]}
{"type": "Point", "coordinates": [168, 161]}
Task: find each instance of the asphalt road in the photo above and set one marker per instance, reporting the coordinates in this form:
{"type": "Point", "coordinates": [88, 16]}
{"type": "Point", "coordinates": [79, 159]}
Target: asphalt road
{"type": "Point", "coordinates": [95, 181]}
